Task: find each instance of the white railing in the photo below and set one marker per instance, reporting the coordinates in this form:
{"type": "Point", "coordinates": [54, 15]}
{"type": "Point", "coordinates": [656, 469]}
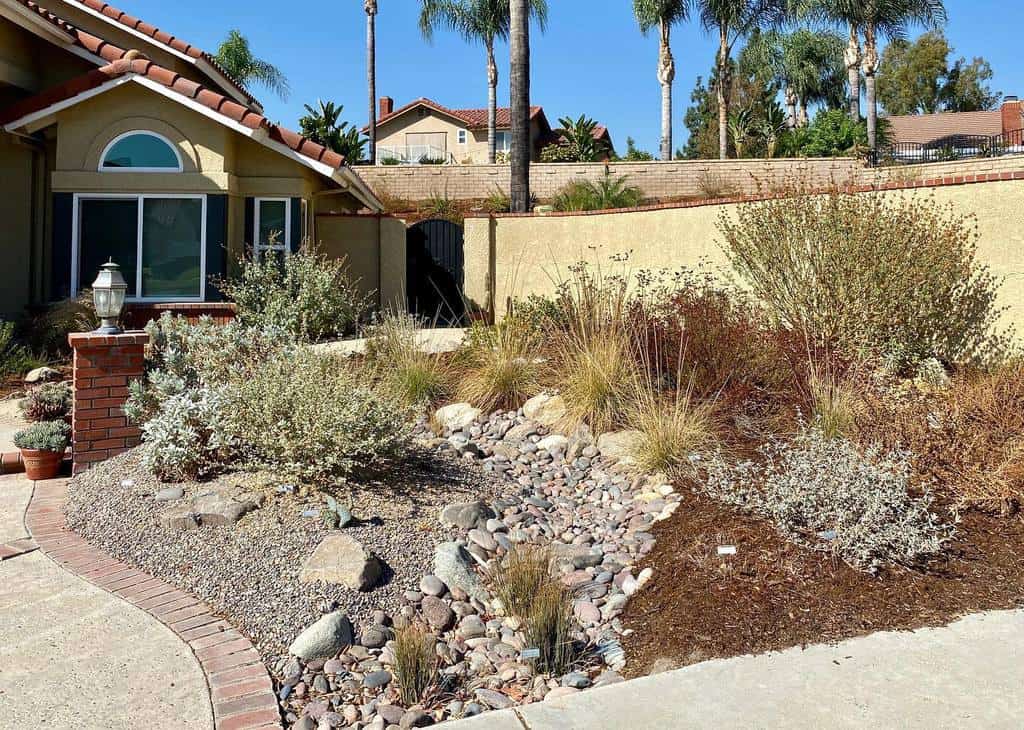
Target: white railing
{"type": "Point", "coordinates": [411, 154]}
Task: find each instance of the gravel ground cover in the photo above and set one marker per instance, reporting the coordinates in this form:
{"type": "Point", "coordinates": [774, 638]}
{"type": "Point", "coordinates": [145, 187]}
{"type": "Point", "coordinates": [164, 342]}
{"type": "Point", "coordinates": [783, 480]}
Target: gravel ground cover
{"type": "Point", "coordinates": [250, 570]}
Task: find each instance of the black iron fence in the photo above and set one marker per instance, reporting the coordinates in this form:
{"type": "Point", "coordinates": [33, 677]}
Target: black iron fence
{"type": "Point", "coordinates": [952, 147]}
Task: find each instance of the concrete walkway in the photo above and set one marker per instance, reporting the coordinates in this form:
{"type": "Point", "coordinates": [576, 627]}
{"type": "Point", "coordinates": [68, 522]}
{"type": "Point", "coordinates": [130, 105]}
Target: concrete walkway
{"type": "Point", "coordinates": [74, 656]}
{"type": "Point", "coordinates": [969, 674]}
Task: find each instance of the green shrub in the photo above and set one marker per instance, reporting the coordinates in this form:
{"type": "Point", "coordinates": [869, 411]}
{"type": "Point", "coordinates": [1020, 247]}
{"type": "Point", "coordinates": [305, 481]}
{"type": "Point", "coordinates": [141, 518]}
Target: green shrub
{"type": "Point", "coordinates": [307, 294]}
{"type": "Point", "coordinates": [48, 402]}
{"type": "Point", "coordinates": [311, 415]}
{"type": "Point", "coordinates": [891, 276]}
{"type": "Point", "coordinates": [826, 494]}
{"type": "Point", "coordinates": [608, 192]}
{"type": "Point", "coordinates": [443, 207]}
{"type": "Point", "coordinates": [46, 436]}
{"type": "Point", "coordinates": [415, 664]}
{"type": "Point", "coordinates": [15, 358]}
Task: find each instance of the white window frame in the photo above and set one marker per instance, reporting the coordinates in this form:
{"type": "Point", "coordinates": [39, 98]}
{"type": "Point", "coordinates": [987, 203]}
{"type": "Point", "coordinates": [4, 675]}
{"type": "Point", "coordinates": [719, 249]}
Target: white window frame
{"type": "Point", "coordinates": [257, 247]}
{"type": "Point", "coordinates": [463, 136]}
{"type": "Point", "coordinates": [76, 230]}
{"type": "Point", "coordinates": [148, 133]}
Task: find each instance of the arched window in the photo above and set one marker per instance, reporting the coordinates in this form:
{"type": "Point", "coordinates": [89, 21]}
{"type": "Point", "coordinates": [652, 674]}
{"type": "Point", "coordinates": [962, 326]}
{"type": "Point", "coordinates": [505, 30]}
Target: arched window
{"type": "Point", "coordinates": [140, 152]}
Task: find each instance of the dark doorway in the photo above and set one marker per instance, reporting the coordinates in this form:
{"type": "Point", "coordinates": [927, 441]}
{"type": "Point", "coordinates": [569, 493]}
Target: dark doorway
{"type": "Point", "coordinates": [435, 273]}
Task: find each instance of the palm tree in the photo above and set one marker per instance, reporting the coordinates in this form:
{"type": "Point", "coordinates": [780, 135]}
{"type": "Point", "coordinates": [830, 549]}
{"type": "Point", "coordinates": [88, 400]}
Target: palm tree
{"type": "Point", "coordinates": [808, 65]}
{"type": "Point", "coordinates": [235, 56]}
{"type": "Point", "coordinates": [664, 14]}
{"type": "Point", "coordinates": [732, 20]}
{"type": "Point", "coordinates": [479, 20]}
{"type": "Point", "coordinates": [579, 138]}
{"type": "Point", "coordinates": [370, 6]}
{"type": "Point", "coordinates": [519, 73]}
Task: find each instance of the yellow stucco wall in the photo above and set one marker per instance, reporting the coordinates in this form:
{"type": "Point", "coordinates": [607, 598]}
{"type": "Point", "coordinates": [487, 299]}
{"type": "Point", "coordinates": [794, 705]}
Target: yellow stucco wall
{"type": "Point", "coordinates": [31, 63]}
{"type": "Point", "coordinates": [511, 257]}
{"type": "Point", "coordinates": [374, 248]}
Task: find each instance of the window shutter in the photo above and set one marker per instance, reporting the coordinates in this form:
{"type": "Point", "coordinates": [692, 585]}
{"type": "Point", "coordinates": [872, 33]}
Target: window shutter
{"type": "Point", "coordinates": [216, 244]}
{"type": "Point", "coordinates": [250, 221]}
{"type": "Point", "coordinates": [60, 247]}
{"type": "Point", "coordinates": [296, 216]}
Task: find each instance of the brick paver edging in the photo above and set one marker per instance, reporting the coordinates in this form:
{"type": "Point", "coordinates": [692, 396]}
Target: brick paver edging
{"type": "Point", "coordinates": [240, 688]}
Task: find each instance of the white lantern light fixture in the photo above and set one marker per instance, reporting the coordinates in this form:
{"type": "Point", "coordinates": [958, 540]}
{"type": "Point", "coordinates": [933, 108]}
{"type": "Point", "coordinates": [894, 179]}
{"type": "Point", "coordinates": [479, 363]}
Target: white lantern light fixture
{"type": "Point", "coordinates": [108, 293]}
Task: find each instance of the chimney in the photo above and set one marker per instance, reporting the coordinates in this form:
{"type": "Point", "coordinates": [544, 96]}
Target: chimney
{"type": "Point", "coordinates": [387, 105]}
{"type": "Point", "coordinates": [1012, 114]}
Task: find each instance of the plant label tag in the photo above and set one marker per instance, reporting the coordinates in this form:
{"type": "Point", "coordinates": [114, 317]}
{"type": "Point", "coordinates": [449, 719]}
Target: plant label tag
{"type": "Point", "coordinates": [127, 483]}
{"type": "Point", "coordinates": [530, 654]}
{"type": "Point", "coordinates": [726, 549]}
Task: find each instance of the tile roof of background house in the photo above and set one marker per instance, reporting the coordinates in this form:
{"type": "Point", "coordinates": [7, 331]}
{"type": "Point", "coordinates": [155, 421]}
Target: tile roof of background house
{"type": "Point", "coordinates": [473, 118]}
{"type": "Point", "coordinates": [927, 127]}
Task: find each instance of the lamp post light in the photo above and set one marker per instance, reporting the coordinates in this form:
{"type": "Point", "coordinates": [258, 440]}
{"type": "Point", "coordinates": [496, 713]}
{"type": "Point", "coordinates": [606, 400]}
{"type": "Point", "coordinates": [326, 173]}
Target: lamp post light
{"type": "Point", "coordinates": [108, 293]}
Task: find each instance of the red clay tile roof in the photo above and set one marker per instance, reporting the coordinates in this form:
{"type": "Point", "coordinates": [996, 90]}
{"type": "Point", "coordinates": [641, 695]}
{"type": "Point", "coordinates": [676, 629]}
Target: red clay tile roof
{"type": "Point", "coordinates": [927, 127]}
{"type": "Point", "coordinates": [215, 101]}
{"type": "Point", "coordinates": [473, 118]}
{"type": "Point", "coordinates": [161, 37]}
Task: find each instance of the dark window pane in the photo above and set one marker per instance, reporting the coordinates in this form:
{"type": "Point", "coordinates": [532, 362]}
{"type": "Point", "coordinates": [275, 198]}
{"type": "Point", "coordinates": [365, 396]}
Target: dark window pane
{"type": "Point", "coordinates": [141, 150]}
{"type": "Point", "coordinates": [172, 231]}
{"type": "Point", "coordinates": [273, 214]}
{"type": "Point", "coordinates": [108, 229]}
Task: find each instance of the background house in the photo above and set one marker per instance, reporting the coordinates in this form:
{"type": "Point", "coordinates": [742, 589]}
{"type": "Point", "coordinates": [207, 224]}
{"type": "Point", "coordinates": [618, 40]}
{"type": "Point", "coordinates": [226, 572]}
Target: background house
{"type": "Point", "coordinates": [120, 140]}
{"type": "Point", "coordinates": [933, 129]}
{"type": "Point", "coordinates": [425, 130]}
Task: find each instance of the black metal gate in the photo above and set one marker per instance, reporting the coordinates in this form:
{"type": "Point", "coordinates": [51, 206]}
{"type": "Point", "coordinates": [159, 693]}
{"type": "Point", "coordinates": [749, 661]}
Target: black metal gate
{"type": "Point", "coordinates": [435, 271]}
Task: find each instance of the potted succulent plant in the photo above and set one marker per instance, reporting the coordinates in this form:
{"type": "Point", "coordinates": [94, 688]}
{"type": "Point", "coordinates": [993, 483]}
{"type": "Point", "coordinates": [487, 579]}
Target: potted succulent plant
{"type": "Point", "coordinates": [42, 448]}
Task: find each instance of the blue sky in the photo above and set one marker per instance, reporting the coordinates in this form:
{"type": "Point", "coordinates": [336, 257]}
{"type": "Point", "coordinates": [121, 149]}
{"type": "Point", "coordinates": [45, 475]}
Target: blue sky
{"type": "Point", "coordinates": [592, 59]}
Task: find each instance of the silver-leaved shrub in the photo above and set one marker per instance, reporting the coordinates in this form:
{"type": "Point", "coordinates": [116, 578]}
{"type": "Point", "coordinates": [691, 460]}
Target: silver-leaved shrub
{"type": "Point", "coordinates": [826, 494]}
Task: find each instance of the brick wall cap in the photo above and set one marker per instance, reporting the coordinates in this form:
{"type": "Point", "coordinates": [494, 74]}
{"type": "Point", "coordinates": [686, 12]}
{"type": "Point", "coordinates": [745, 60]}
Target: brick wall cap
{"type": "Point", "coordinates": [94, 339]}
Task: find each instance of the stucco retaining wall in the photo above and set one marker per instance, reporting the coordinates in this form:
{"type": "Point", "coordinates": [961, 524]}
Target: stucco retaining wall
{"type": "Point", "coordinates": [509, 257]}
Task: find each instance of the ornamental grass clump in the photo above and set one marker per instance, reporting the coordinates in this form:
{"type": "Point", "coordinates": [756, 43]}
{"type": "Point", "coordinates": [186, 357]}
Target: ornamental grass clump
{"type": "Point", "coordinates": [595, 374]}
{"type": "Point", "coordinates": [517, 579]}
{"type": "Point", "coordinates": [499, 367]}
{"type": "Point", "coordinates": [884, 275]}
{"type": "Point", "coordinates": [674, 428]}
{"type": "Point", "coordinates": [47, 402]}
{"type": "Point", "coordinates": [415, 664]}
{"type": "Point", "coordinates": [415, 377]}
{"type": "Point", "coordinates": [826, 494]}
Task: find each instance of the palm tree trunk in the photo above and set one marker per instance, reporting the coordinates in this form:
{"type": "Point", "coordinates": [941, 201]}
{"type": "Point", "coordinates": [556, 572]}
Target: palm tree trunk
{"type": "Point", "coordinates": [723, 93]}
{"type": "Point", "coordinates": [371, 75]}
{"type": "Point", "coordinates": [519, 74]}
{"type": "Point", "coordinates": [790, 97]}
{"type": "Point", "coordinates": [870, 66]}
{"type": "Point", "coordinates": [802, 118]}
{"type": "Point", "coordinates": [492, 103]}
{"type": "Point", "coordinates": [852, 59]}
{"type": "Point", "coordinates": [666, 75]}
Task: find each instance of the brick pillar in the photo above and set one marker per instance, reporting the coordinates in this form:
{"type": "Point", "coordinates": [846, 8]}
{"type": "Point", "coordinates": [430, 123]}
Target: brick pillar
{"type": "Point", "coordinates": [103, 366]}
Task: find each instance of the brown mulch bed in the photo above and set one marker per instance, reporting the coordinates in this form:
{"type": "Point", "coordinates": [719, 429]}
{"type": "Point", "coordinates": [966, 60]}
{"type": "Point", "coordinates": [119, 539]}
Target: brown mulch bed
{"type": "Point", "coordinates": [772, 594]}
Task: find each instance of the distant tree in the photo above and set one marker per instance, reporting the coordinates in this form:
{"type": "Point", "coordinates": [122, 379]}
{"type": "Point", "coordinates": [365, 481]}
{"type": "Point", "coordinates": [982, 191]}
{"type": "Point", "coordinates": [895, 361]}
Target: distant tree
{"type": "Point", "coordinates": [748, 91]}
{"type": "Point", "coordinates": [578, 141]}
{"type": "Point", "coordinates": [322, 125]}
{"type": "Point", "coordinates": [732, 20]}
{"type": "Point", "coordinates": [484, 21]}
{"type": "Point", "coordinates": [808, 65]}
{"type": "Point", "coordinates": [663, 14]}
{"type": "Point", "coordinates": [237, 58]}
{"type": "Point", "coordinates": [634, 154]}
{"type": "Point", "coordinates": [916, 78]}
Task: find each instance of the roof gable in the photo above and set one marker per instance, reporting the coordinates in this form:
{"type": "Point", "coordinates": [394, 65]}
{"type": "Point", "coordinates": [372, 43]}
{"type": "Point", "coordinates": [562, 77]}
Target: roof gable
{"type": "Point", "coordinates": [471, 118]}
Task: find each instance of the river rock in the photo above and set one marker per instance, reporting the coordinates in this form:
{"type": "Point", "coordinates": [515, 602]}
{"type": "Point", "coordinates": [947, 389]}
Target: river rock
{"type": "Point", "coordinates": [547, 410]}
{"type": "Point", "coordinates": [325, 638]}
{"type": "Point", "coordinates": [342, 560]}
{"type": "Point", "coordinates": [466, 515]}
{"type": "Point", "coordinates": [453, 565]}
{"type": "Point", "coordinates": [456, 416]}
{"type": "Point", "coordinates": [620, 446]}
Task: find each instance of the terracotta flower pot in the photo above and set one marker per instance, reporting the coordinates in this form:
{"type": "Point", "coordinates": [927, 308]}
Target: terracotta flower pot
{"type": "Point", "coordinates": [40, 465]}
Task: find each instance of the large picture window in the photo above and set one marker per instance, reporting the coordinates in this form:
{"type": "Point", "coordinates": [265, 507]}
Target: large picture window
{"type": "Point", "coordinates": [140, 152]}
{"type": "Point", "coordinates": [158, 240]}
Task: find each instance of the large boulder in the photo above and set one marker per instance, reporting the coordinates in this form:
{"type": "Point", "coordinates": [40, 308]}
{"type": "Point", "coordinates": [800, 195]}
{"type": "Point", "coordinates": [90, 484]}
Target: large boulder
{"type": "Point", "coordinates": [343, 560]}
{"type": "Point", "coordinates": [466, 515]}
{"type": "Point", "coordinates": [545, 409]}
{"type": "Point", "coordinates": [620, 446]}
{"type": "Point", "coordinates": [456, 416]}
{"type": "Point", "coordinates": [221, 507]}
{"type": "Point", "coordinates": [454, 565]}
{"type": "Point", "coordinates": [324, 639]}
{"type": "Point", "coordinates": [42, 375]}
{"type": "Point", "coordinates": [178, 518]}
